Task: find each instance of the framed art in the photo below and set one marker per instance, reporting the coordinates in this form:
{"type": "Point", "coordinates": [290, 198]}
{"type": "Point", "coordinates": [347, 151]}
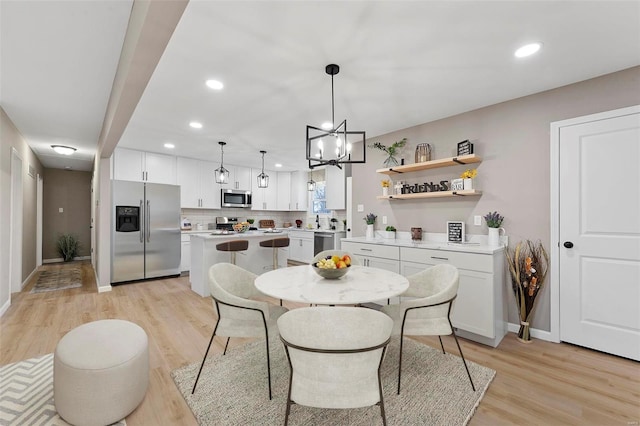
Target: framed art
{"type": "Point", "coordinates": [455, 231]}
{"type": "Point", "coordinates": [465, 147]}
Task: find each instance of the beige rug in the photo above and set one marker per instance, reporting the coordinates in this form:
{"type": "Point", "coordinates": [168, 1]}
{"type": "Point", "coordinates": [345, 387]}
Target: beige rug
{"type": "Point", "coordinates": [232, 389]}
{"type": "Point", "coordinates": [64, 277]}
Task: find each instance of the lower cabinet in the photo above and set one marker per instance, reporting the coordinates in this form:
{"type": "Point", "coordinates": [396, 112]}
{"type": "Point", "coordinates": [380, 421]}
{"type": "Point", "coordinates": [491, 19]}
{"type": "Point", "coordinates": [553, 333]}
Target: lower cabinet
{"type": "Point", "coordinates": [375, 256]}
{"type": "Point", "coordinates": [185, 250]}
{"type": "Point", "coordinates": [479, 311]}
{"type": "Point", "coordinates": [301, 246]}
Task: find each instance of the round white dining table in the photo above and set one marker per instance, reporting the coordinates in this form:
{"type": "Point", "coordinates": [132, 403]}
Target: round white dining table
{"type": "Point", "coordinates": [360, 285]}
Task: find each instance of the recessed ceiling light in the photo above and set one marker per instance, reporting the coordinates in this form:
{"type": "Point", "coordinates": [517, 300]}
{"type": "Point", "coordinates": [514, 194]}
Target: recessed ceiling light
{"type": "Point", "coordinates": [195, 125]}
{"type": "Point", "coordinates": [169, 145]}
{"type": "Point", "coordinates": [64, 150]}
{"type": "Point", "coordinates": [278, 165]}
{"type": "Point", "coordinates": [327, 125]}
{"type": "Point", "coordinates": [528, 49]}
{"type": "Point", "coordinates": [214, 84]}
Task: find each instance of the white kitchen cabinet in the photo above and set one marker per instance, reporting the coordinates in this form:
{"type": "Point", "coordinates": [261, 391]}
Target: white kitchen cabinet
{"type": "Point", "coordinates": [239, 178]}
{"type": "Point", "coordinates": [336, 192]}
{"type": "Point", "coordinates": [299, 191]}
{"type": "Point", "coordinates": [478, 312]}
{"type": "Point", "coordinates": [139, 166]}
{"type": "Point", "coordinates": [264, 198]}
{"type": "Point", "coordinates": [283, 196]}
{"type": "Point", "coordinates": [301, 246]}
{"type": "Point", "coordinates": [283, 255]}
{"type": "Point", "coordinates": [185, 260]}
{"type": "Point", "coordinates": [198, 188]}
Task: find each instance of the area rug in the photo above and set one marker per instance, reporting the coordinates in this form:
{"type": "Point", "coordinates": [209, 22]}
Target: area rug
{"type": "Point", "coordinates": [58, 279]}
{"type": "Point", "coordinates": [26, 394]}
{"type": "Point", "coordinates": [232, 389]}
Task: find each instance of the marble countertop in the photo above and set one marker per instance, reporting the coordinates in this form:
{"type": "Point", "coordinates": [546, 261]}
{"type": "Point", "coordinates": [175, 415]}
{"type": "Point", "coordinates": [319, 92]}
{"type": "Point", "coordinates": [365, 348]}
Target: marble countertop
{"type": "Point", "coordinates": [476, 243]}
{"type": "Point", "coordinates": [249, 234]}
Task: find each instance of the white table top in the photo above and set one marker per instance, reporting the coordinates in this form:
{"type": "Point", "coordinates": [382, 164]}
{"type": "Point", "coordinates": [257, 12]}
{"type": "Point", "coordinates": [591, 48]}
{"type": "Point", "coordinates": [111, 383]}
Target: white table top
{"type": "Point", "coordinates": [360, 285]}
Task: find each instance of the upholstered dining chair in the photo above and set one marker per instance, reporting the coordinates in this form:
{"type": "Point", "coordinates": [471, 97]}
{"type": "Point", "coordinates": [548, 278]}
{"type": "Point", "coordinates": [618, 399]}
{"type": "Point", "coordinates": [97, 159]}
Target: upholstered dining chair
{"type": "Point", "coordinates": [233, 291]}
{"type": "Point", "coordinates": [335, 355]}
{"type": "Point", "coordinates": [429, 312]}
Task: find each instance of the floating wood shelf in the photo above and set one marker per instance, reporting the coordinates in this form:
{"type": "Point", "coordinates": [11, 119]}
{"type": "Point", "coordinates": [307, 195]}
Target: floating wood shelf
{"type": "Point", "coordinates": [436, 194]}
{"type": "Point", "coordinates": [443, 162]}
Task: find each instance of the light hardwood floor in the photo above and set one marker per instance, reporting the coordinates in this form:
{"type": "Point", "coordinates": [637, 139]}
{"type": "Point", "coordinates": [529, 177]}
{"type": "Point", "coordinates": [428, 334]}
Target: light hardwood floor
{"type": "Point", "coordinates": [537, 384]}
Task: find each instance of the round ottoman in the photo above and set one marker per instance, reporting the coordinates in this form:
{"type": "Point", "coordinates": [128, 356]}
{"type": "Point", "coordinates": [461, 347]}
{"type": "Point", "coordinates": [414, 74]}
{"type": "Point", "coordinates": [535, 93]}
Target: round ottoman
{"type": "Point", "coordinates": [100, 372]}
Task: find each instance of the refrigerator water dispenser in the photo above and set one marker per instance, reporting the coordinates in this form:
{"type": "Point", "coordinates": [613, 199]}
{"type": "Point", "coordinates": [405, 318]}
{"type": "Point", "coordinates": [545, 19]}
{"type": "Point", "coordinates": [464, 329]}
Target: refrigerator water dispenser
{"type": "Point", "coordinates": [127, 219]}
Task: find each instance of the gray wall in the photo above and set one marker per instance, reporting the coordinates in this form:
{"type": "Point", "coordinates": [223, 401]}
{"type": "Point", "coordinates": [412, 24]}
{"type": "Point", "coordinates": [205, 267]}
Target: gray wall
{"type": "Point", "coordinates": [514, 142]}
{"type": "Point", "coordinates": [10, 138]}
{"type": "Point", "coordinates": [71, 191]}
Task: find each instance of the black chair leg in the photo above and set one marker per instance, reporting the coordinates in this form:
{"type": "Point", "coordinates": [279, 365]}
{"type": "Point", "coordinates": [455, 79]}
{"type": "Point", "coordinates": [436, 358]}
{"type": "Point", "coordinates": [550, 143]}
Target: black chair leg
{"type": "Point", "coordinates": [225, 346]}
{"type": "Point", "coordinates": [441, 345]}
{"type": "Point", "coordinates": [268, 365]}
{"type": "Point", "coordinates": [400, 362]}
{"type": "Point", "coordinates": [205, 357]}
{"type": "Point", "coordinates": [462, 356]}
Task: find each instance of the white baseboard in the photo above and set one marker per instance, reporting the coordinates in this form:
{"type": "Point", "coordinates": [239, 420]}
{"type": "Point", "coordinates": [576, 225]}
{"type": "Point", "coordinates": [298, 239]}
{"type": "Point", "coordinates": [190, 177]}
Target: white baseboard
{"type": "Point", "coordinates": [24, 283]}
{"type": "Point", "coordinates": [59, 259]}
{"type": "Point", "coordinates": [534, 332]}
{"type": "Point", "coordinates": [5, 307]}
{"type": "Point", "coordinates": [101, 288]}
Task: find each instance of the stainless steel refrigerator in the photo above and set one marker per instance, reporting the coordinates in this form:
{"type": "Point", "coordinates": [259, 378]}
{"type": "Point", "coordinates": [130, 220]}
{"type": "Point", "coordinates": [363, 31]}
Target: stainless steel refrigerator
{"type": "Point", "coordinates": [145, 231]}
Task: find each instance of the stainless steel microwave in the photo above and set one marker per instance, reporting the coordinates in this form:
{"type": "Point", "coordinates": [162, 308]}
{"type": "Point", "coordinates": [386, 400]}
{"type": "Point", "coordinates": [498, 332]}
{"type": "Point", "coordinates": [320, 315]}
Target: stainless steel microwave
{"type": "Point", "coordinates": [235, 198]}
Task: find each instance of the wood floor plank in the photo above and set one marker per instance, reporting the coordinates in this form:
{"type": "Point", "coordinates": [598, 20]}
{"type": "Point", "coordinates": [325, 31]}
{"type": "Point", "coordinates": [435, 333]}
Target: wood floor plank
{"type": "Point", "coordinates": [537, 384]}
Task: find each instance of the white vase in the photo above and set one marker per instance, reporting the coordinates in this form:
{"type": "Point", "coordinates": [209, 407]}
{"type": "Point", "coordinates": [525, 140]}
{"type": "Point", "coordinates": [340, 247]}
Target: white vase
{"type": "Point", "coordinates": [468, 184]}
{"type": "Point", "coordinates": [385, 191]}
{"type": "Point", "coordinates": [369, 234]}
{"type": "Point", "coordinates": [494, 237]}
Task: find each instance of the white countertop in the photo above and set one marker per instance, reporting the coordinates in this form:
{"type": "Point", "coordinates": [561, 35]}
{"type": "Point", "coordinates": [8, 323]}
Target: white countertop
{"type": "Point", "coordinates": [476, 243]}
{"type": "Point", "coordinates": [249, 234]}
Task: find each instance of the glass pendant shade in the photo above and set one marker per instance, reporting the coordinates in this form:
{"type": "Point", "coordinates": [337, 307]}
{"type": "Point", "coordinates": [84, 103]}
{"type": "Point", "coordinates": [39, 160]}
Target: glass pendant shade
{"type": "Point", "coordinates": [333, 145]}
{"type": "Point", "coordinates": [222, 174]}
{"type": "Point", "coordinates": [263, 178]}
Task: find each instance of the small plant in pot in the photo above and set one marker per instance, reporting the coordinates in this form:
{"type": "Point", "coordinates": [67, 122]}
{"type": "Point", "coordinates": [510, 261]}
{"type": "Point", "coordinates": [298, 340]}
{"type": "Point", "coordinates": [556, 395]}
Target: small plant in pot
{"type": "Point", "coordinates": [68, 246]}
{"type": "Point", "coordinates": [389, 232]}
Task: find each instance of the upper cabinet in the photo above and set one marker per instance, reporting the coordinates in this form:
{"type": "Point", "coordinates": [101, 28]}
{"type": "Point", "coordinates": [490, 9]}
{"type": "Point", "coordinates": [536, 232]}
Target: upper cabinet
{"type": "Point", "coordinates": [138, 166]}
{"type": "Point", "coordinates": [283, 197]}
{"type": "Point", "coordinates": [239, 178]}
{"type": "Point", "coordinates": [335, 188]}
{"type": "Point", "coordinates": [299, 192]}
{"type": "Point", "coordinates": [198, 188]}
{"type": "Point", "coordinates": [443, 162]}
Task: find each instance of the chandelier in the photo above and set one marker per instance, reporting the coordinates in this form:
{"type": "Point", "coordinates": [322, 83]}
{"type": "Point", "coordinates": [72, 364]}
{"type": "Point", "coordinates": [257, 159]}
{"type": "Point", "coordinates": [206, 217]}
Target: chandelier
{"type": "Point", "coordinates": [263, 178]}
{"type": "Point", "coordinates": [333, 145]}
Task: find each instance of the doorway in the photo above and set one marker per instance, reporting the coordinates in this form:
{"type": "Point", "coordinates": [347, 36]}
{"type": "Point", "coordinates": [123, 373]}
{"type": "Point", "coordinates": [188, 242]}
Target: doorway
{"type": "Point", "coordinates": [15, 238]}
{"type": "Point", "coordinates": [596, 231]}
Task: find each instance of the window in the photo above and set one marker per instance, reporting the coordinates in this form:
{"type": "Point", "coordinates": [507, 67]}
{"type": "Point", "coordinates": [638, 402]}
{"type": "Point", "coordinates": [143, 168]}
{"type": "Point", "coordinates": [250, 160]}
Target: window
{"type": "Point", "coordinates": [319, 199]}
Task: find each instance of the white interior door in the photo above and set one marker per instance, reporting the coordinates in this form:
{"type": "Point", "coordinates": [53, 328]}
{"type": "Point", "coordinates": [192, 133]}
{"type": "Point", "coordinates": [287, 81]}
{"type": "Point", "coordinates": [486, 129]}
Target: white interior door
{"type": "Point", "coordinates": [15, 238]}
{"type": "Point", "coordinates": [599, 234]}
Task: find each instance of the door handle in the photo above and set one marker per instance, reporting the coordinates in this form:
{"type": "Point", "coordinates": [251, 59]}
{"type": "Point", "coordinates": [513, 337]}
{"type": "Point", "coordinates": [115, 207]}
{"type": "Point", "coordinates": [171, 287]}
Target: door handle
{"type": "Point", "coordinates": [440, 258]}
{"type": "Point", "coordinates": [148, 220]}
{"type": "Point", "coordinates": [144, 224]}
{"type": "Point", "coordinates": [568, 244]}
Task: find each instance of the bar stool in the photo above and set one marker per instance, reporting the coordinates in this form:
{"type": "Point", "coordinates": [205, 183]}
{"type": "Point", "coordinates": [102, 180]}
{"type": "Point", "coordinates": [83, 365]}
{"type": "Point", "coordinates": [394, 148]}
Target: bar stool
{"type": "Point", "coordinates": [275, 244]}
{"type": "Point", "coordinates": [233, 246]}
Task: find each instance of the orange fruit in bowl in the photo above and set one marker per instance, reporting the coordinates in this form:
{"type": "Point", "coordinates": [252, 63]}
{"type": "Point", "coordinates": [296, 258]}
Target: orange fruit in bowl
{"type": "Point", "coordinates": [341, 264]}
{"type": "Point", "coordinates": [346, 259]}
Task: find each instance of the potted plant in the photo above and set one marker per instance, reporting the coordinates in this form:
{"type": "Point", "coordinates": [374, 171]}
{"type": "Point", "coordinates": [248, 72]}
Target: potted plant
{"type": "Point", "coordinates": [68, 246]}
{"type": "Point", "coordinates": [389, 232]}
{"type": "Point", "coordinates": [390, 150]}
{"type": "Point", "coordinates": [494, 220]}
{"type": "Point", "coordinates": [385, 187]}
{"type": "Point", "coordinates": [467, 177]}
{"type": "Point", "coordinates": [371, 220]}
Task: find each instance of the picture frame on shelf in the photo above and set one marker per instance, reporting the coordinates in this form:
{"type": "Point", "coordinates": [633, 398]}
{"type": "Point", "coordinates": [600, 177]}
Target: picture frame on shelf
{"type": "Point", "coordinates": [465, 147]}
{"type": "Point", "coordinates": [457, 184]}
{"type": "Point", "coordinates": [455, 231]}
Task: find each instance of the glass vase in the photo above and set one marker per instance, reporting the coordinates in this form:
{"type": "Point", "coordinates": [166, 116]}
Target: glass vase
{"type": "Point", "coordinates": [390, 161]}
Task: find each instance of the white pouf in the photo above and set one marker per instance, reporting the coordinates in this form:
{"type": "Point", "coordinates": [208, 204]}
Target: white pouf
{"type": "Point", "coordinates": [100, 372]}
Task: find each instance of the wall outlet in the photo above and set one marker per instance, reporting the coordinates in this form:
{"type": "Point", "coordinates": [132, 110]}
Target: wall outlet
{"type": "Point", "coordinates": [360, 207]}
{"type": "Point", "coordinates": [477, 220]}
{"type": "Point", "coordinates": [60, 210]}
{"type": "Point", "coordinates": [384, 220]}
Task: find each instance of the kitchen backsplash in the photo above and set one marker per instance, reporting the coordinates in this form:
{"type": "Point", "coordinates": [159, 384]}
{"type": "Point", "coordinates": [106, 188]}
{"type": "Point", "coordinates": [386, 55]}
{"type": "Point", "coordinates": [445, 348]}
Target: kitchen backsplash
{"type": "Point", "coordinates": [205, 216]}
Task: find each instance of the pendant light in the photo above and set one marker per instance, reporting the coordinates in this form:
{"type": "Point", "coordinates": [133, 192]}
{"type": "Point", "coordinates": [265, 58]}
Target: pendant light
{"type": "Point", "coordinates": [338, 140]}
{"type": "Point", "coordinates": [263, 178]}
{"type": "Point", "coordinates": [311, 184]}
{"type": "Point", "coordinates": [222, 174]}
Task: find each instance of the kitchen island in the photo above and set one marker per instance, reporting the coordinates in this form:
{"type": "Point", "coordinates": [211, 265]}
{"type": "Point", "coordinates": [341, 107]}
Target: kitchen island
{"type": "Point", "coordinates": [255, 259]}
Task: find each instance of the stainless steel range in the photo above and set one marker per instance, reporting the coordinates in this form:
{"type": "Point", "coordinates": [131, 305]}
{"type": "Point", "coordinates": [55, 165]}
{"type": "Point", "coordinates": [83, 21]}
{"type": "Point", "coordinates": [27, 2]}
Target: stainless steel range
{"type": "Point", "coordinates": [224, 222]}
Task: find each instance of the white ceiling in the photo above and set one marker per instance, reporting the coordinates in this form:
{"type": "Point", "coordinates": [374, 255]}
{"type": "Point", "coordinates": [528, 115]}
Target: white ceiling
{"type": "Point", "coordinates": [402, 63]}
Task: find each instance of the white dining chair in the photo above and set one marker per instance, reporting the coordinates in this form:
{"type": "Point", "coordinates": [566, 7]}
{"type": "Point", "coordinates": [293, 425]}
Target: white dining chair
{"type": "Point", "coordinates": [238, 314]}
{"type": "Point", "coordinates": [335, 355]}
{"type": "Point", "coordinates": [429, 312]}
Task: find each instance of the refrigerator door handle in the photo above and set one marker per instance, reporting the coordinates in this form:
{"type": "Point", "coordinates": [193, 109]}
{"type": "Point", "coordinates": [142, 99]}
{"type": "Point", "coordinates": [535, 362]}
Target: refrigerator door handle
{"type": "Point", "coordinates": [143, 225]}
{"type": "Point", "coordinates": [148, 226]}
